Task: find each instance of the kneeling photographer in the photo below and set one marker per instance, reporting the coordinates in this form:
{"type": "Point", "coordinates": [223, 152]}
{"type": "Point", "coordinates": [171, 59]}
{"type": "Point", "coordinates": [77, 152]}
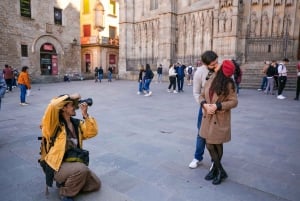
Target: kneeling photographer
{"type": "Point", "coordinates": [66, 161]}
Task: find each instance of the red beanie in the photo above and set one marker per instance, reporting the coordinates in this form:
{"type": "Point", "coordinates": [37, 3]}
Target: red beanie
{"type": "Point", "coordinates": [228, 68]}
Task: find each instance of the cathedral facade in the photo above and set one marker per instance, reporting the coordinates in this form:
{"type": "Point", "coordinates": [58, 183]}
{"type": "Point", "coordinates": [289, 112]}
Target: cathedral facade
{"type": "Point", "coordinates": [164, 32]}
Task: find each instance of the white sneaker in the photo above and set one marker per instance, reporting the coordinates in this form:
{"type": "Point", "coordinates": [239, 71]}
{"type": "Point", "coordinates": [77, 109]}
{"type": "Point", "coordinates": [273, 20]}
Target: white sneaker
{"type": "Point", "coordinates": [175, 92]}
{"type": "Point", "coordinates": [169, 90]}
{"type": "Point", "coordinates": [195, 163]}
{"type": "Point", "coordinates": [148, 94]}
{"type": "Point", "coordinates": [138, 93]}
{"type": "Point", "coordinates": [24, 104]}
{"type": "Point", "coordinates": [281, 97]}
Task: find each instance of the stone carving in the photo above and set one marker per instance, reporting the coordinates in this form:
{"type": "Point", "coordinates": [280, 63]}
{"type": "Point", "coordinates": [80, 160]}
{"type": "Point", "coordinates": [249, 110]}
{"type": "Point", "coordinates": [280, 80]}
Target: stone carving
{"type": "Point", "coordinates": [225, 3]}
{"type": "Point", "coordinates": [278, 2]}
{"type": "Point", "coordinates": [266, 2]}
{"type": "Point", "coordinates": [289, 2]}
{"type": "Point", "coordinates": [228, 22]}
{"type": "Point", "coordinates": [276, 24]}
{"type": "Point", "coordinates": [287, 24]}
{"type": "Point", "coordinates": [253, 24]}
{"type": "Point", "coordinates": [222, 21]}
{"type": "Point", "coordinates": [265, 24]}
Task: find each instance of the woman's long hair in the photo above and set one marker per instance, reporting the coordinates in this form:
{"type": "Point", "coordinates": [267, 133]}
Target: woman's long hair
{"type": "Point", "coordinates": [220, 84]}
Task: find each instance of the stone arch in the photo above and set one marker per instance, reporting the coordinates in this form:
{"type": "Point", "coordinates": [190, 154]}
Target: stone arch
{"type": "Point", "coordinates": [38, 42]}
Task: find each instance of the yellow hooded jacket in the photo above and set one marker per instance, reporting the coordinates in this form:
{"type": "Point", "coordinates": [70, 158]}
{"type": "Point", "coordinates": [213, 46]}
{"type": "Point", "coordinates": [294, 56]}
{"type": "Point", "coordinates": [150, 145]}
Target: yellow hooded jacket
{"type": "Point", "coordinates": [87, 129]}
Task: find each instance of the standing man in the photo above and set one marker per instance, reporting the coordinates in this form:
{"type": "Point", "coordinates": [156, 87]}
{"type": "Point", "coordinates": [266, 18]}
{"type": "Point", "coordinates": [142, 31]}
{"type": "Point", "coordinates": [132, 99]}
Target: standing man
{"type": "Point", "coordinates": [8, 76]}
{"type": "Point", "coordinates": [72, 176]}
{"type": "Point", "coordinates": [110, 71]}
{"type": "Point", "coordinates": [282, 77]}
{"type": "Point", "coordinates": [298, 82]}
{"type": "Point", "coordinates": [202, 74]}
{"type": "Point", "coordinates": [159, 73]}
{"type": "Point", "coordinates": [180, 68]}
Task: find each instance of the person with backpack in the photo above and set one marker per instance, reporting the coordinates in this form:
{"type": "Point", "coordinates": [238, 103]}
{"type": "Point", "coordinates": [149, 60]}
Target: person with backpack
{"type": "Point", "coordinates": [190, 71]}
{"type": "Point", "coordinates": [65, 161]}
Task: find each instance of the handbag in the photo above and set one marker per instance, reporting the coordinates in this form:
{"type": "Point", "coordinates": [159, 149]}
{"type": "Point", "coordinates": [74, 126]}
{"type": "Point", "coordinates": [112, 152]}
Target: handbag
{"type": "Point", "coordinates": [77, 155]}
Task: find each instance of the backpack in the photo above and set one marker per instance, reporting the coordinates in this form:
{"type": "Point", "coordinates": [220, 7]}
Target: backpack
{"type": "Point", "coordinates": [190, 70]}
{"type": "Point", "coordinates": [44, 149]}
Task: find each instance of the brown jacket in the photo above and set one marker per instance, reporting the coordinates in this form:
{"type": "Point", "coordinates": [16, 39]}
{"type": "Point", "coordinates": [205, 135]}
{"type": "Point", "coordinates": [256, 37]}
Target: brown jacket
{"type": "Point", "coordinates": [216, 128]}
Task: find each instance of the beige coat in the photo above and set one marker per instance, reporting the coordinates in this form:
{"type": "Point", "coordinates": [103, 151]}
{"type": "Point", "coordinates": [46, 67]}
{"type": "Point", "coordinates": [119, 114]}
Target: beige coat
{"type": "Point", "coordinates": [216, 128]}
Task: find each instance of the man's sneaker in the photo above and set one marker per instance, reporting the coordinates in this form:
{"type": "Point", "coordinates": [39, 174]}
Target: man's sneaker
{"type": "Point", "coordinates": [195, 163]}
{"type": "Point", "coordinates": [138, 93]}
{"type": "Point", "coordinates": [259, 89]}
{"type": "Point", "coordinates": [175, 92]}
{"type": "Point", "coordinates": [280, 97]}
{"type": "Point", "coordinates": [169, 90]}
{"type": "Point", "coordinates": [24, 104]}
{"type": "Point", "coordinates": [148, 94]}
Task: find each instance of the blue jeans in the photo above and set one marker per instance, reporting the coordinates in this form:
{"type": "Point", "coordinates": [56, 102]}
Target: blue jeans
{"type": "Point", "coordinates": [200, 142]}
{"type": "Point", "coordinates": [109, 76]}
{"type": "Point", "coordinates": [23, 93]}
{"type": "Point", "coordinates": [141, 86]}
{"type": "Point", "coordinates": [147, 85]}
{"type": "Point", "coordinates": [264, 83]}
{"type": "Point", "coordinates": [100, 77]}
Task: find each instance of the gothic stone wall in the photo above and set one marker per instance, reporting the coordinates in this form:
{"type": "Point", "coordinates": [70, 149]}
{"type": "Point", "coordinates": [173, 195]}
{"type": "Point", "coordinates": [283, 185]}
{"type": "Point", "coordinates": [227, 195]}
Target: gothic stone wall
{"type": "Point", "coordinates": [253, 30]}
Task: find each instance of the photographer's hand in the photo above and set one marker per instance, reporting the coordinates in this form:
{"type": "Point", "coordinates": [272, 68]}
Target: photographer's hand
{"type": "Point", "coordinates": [84, 107]}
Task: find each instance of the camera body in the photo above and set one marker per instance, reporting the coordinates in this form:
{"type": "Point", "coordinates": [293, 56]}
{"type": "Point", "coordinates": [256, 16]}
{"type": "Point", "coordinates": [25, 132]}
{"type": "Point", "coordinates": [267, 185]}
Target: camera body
{"type": "Point", "coordinates": [88, 101]}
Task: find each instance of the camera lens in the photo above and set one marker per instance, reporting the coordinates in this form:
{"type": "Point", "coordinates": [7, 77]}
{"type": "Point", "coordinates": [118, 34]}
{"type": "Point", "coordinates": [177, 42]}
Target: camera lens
{"type": "Point", "coordinates": [88, 101]}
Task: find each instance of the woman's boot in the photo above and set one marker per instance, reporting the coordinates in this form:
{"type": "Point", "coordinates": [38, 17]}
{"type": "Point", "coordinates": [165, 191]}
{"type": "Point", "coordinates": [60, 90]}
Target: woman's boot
{"type": "Point", "coordinates": [223, 173]}
{"type": "Point", "coordinates": [218, 178]}
{"type": "Point", "coordinates": [212, 172]}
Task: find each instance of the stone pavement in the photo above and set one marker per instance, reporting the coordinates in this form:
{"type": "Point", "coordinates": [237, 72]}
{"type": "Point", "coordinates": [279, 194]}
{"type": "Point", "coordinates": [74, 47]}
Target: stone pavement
{"type": "Point", "coordinates": [145, 144]}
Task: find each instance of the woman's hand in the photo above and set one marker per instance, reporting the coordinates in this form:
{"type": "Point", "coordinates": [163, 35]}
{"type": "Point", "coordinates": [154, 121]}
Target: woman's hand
{"type": "Point", "coordinates": [210, 108]}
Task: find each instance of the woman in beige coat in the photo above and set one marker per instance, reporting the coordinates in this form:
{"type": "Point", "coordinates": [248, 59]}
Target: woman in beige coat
{"type": "Point", "coordinates": [217, 99]}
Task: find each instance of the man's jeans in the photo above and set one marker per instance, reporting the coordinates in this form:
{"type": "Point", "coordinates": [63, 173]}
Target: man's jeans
{"type": "Point", "coordinates": [200, 142]}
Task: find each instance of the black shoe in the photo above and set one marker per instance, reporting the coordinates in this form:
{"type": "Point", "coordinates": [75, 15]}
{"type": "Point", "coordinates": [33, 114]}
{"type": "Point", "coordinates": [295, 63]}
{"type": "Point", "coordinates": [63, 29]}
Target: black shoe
{"type": "Point", "coordinates": [212, 173]}
{"type": "Point", "coordinates": [296, 98]}
{"type": "Point", "coordinates": [218, 178]}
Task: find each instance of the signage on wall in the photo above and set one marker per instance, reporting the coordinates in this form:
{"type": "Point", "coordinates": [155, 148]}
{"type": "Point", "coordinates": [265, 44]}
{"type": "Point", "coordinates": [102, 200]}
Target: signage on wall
{"type": "Point", "coordinates": [112, 59]}
{"type": "Point", "coordinates": [48, 47]}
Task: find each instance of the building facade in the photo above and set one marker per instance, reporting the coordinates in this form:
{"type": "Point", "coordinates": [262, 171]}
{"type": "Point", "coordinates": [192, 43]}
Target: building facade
{"type": "Point", "coordinates": [250, 31]}
{"type": "Point", "coordinates": [99, 31]}
{"type": "Point", "coordinates": [41, 35]}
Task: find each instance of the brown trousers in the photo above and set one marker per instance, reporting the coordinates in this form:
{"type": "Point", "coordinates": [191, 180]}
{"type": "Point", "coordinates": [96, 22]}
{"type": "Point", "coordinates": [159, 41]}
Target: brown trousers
{"type": "Point", "coordinates": [76, 177]}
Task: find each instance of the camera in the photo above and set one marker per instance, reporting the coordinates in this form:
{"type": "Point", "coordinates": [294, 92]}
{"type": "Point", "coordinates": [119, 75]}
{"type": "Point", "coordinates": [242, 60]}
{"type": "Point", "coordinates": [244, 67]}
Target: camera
{"type": "Point", "coordinates": [88, 101]}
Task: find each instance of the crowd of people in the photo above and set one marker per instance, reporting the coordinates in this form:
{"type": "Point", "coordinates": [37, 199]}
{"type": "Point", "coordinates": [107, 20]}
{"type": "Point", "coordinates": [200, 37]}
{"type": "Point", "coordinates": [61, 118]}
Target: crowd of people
{"type": "Point", "coordinates": [275, 76]}
{"type": "Point", "coordinates": [11, 78]}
